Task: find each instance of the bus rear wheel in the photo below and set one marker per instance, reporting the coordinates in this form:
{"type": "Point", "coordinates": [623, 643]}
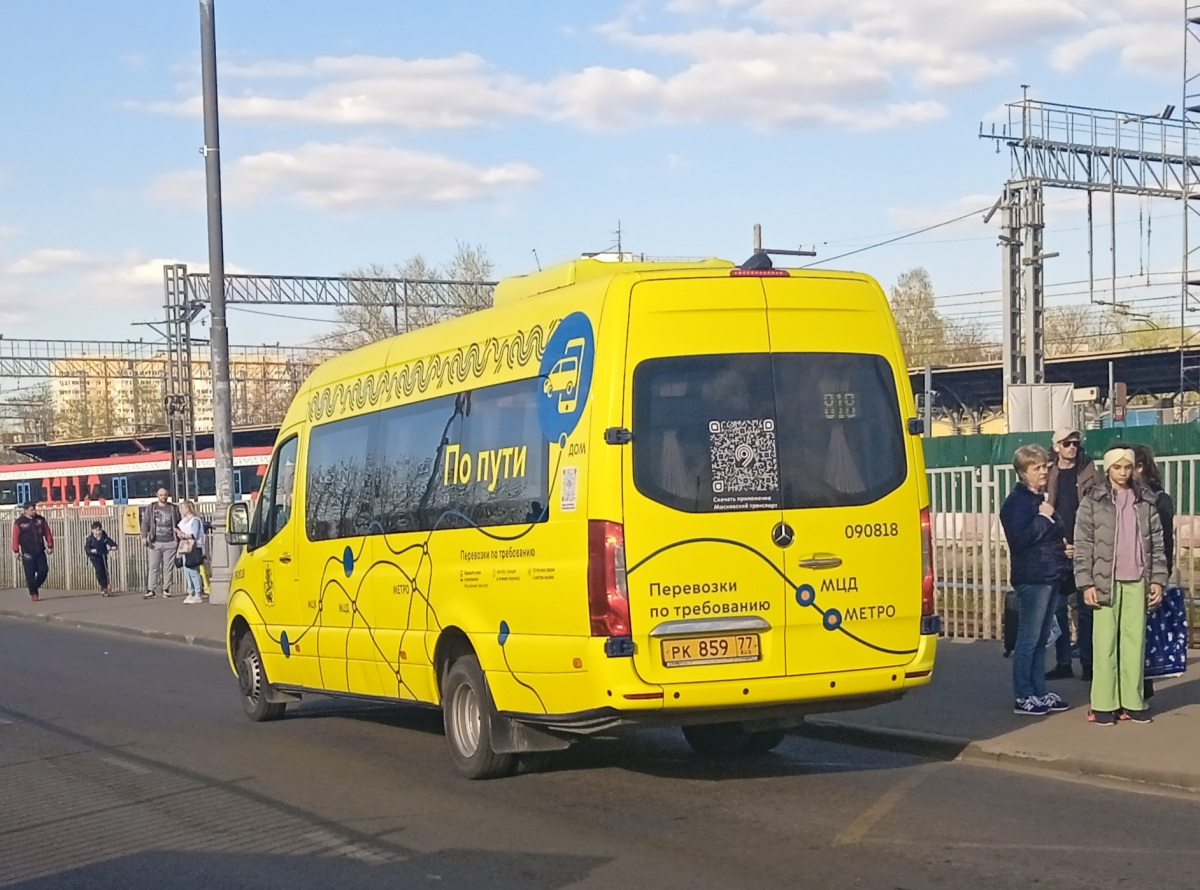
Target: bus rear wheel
{"type": "Point", "coordinates": [466, 711]}
{"type": "Point", "coordinates": [253, 684]}
{"type": "Point", "coordinates": [728, 740]}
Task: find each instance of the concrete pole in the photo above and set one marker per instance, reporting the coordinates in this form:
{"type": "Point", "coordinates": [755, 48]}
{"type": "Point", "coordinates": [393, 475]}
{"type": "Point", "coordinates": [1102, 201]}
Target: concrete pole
{"type": "Point", "coordinates": [222, 408]}
{"type": "Point", "coordinates": [928, 400]}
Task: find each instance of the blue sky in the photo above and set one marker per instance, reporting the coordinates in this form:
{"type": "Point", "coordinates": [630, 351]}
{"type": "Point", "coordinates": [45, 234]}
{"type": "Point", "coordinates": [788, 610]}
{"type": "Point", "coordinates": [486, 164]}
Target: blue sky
{"type": "Point", "coordinates": [367, 131]}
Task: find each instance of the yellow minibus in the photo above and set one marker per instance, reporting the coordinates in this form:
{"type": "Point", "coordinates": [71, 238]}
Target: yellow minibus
{"type": "Point", "coordinates": [629, 493]}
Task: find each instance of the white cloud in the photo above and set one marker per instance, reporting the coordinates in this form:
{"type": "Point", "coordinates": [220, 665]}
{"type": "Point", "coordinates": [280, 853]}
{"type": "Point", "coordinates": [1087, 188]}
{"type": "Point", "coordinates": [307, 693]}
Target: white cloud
{"type": "Point", "coordinates": [858, 64]}
{"type": "Point", "coordinates": [49, 282]}
{"type": "Point", "coordinates": [349, 178]}
{"type": "Point", "coordinates": [447, 93]}
{"type": "Point", "coordinates": [49, 261]}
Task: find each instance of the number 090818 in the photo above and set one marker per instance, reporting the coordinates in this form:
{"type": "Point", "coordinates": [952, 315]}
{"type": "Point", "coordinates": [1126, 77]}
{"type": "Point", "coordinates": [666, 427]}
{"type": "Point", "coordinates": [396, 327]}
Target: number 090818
{"type": "Point", "coordinates": [873, 530]}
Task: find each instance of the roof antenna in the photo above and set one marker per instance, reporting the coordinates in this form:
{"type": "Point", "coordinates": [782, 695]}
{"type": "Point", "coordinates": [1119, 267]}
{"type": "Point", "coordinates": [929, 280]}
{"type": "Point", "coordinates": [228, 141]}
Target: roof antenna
{"type": "Point", "coordinates": [535, 259]}
{"type": "Point", "coordinates": [761, 259]}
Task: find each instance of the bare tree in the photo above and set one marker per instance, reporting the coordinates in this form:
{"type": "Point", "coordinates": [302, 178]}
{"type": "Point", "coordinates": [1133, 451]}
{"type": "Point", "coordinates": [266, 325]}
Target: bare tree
{"type": "Point", "coordinates": [922, 329]}
{"type": "Point", "coordinates": [965, 343]}
{"type": "Point", "coordinates": [385, 308]}
{"type": "Point", "coordinates": [1082, 328]}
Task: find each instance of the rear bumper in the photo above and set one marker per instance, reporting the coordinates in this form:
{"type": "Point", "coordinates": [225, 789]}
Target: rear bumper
{"type": "Point", "coordinates": [771, 701]}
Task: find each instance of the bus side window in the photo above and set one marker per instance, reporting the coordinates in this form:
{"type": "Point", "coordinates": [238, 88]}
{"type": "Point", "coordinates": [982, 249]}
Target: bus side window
{"type": "Point", "coordinates": [274, 507]}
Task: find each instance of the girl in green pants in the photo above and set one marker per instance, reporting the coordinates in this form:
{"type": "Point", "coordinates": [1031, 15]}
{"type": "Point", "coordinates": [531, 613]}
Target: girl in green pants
{"type": "Point", "coordinates": [1121, 567]}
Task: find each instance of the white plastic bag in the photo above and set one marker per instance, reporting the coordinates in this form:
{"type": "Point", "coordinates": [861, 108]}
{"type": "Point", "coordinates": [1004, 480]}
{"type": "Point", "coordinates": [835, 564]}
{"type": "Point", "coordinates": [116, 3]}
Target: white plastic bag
{"type": "Point", "coordinates": [1055, 632]}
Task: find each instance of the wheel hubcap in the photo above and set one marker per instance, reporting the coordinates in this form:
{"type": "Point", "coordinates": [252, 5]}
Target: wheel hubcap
{"type": "Point", "coordinates": [248, 676]}
{"type": "Point", "coordinates": [464, 714]}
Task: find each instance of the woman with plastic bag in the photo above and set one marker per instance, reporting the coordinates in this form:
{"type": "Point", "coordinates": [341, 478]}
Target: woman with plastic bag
{"type": "Point", "coordinates": [1166, 627]}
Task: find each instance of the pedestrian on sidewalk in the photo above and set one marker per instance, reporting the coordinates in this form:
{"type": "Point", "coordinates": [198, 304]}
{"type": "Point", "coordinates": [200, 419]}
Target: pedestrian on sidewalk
{"type": "Point", "coordinates": [1145, 472]}
{"type": "Point", "coordinates": [97, 546]}
{"type": "Point", "coordinates": [1072, 474]}
{"type": "Point", "coordinates": [158, 534]}
{"type": "Point", "coordinates": [1038, 552]}
{"type": "Point", "coordinates": [1121, 567]}
{"type": "Point", "coordinates": [190, 531]}
{"type": "Point", "coordinates": [32, 538]}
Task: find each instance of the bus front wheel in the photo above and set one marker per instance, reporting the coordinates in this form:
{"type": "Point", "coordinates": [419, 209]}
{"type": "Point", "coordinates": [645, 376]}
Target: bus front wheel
{"type": "Point", "coordinates": [466, 710]}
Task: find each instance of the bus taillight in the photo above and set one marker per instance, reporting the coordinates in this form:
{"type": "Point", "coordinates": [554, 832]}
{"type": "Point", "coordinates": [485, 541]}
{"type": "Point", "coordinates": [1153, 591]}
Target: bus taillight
{"type": "Point", "coordinates": [608, 595]}
{"type": "Point", "coordinates": [927, 606]}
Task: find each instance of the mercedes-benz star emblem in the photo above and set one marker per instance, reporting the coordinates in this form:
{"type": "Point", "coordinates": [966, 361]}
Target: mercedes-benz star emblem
{"type": "Point", "coordinates": [782, 535]}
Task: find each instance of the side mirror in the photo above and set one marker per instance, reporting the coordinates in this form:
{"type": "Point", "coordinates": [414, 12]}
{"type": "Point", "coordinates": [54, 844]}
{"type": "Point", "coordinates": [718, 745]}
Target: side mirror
{"type": "Point", "coordinates": [237, 524]}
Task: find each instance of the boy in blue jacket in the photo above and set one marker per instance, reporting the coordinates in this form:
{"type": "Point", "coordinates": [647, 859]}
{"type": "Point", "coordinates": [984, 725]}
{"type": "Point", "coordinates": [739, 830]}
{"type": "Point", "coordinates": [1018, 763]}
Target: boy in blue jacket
{"type": "Point", "coordinates": [96, 546]}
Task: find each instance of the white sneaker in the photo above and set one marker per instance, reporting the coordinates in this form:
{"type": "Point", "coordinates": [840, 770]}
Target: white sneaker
{"type": "Point", "coordinates": [166, 594]}
{"type": "Point", "coordinates": [191, 600]}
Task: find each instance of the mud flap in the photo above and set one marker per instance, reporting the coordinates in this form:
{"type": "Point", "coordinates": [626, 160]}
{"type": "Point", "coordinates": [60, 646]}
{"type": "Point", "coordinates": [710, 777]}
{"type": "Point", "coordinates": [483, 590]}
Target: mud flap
{"type": "Point", "coordinates": [511, 737]}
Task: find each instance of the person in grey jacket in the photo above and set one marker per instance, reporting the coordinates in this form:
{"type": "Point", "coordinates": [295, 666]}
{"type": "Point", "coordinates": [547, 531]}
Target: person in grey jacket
{"type": "Point", "coordinates": [158, 534]}
{"type": "Point", "coordinates": [1121, 567]}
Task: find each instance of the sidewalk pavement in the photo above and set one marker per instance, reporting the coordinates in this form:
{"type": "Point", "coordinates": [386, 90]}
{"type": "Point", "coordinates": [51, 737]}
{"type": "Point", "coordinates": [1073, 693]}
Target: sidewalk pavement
{"type": "Point", "coordinates": [964, 714]}
{"type": "Point", "coordinates": [125, 612]}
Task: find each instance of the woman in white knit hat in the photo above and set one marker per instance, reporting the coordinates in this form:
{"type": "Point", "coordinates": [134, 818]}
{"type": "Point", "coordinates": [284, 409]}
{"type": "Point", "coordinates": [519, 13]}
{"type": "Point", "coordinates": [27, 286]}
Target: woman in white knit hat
{"type": "Point", "coordinates": [1121, 567]}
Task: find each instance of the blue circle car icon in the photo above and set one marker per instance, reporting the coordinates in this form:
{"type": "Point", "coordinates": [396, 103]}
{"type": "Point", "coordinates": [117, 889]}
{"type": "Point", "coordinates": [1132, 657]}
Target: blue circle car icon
{"type": "Point", "coordinates": [563, 377]}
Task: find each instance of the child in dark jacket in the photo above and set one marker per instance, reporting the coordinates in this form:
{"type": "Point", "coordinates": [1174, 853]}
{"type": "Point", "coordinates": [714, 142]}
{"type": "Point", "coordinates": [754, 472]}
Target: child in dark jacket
{"type": "Point", "coordinates": [96, 546]}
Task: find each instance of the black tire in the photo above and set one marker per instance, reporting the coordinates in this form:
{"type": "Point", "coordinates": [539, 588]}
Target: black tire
{"type": "Point", "coordinates": [765, 740]}
{"type": "Point", "coordinates": [721, 740]}
{"type": "Point", "coordinates": [466, 708]}
{"type": "Point", "coordinates": [253, 683]}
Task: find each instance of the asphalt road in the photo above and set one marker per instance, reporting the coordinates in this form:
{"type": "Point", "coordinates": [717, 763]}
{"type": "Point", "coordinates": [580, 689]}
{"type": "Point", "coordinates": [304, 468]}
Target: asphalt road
{"type": "Point", "coordinates": [127, 763]}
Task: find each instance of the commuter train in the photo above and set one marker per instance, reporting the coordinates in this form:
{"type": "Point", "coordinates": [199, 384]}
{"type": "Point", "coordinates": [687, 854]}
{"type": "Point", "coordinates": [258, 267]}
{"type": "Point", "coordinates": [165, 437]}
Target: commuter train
{"type": "Point", "coordinates": [123, 479]}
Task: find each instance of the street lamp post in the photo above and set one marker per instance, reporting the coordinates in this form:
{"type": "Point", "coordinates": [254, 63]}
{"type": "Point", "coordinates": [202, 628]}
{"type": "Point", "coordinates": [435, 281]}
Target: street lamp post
{"type": "Point", "coordinates": [220, 555]}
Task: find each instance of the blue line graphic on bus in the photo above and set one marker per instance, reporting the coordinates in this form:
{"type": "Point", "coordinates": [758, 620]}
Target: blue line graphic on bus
{"type": "Point", "coordinates": [566, 373]}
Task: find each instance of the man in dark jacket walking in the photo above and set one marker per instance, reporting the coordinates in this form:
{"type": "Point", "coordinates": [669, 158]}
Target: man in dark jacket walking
{"type": "Point", "coordinates": [1072, 475]}
{"type": "Point", "coordinates": [1037, 549]}
{"type": "Point", "coordinates": [32, 538]}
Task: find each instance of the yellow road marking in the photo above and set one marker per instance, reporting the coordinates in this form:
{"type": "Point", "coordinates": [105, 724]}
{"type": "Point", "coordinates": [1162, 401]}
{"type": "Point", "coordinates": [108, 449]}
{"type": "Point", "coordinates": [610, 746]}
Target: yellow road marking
{"type": "Point", "coordinates": [870, 817]}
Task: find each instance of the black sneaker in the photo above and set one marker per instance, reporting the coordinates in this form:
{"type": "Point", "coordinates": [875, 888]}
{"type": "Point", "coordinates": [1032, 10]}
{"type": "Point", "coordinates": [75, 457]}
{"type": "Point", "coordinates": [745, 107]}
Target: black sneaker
{"type": "Point", "coordinates": [1102, 718]}
{"type": "Point", "coordinates": [1136, 716]}
{"type": "Point", "coordinates": [148, 595]}
{"type": "Point", "coordinates": [1062, 672]}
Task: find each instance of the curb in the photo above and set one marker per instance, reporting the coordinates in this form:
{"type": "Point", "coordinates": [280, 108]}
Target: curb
{"type": "Point", "coordinates": [167, 636]}
{"type": "Point", "coordinates": [1080, 767]}
{"type": "Point", "coordinates": [903, 741]}
{"type": "Point", "coordinates": [953, 748]}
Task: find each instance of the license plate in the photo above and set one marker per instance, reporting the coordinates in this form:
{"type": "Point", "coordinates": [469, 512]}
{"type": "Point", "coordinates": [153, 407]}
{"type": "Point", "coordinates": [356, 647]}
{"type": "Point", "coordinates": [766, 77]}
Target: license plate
{"type": "Point", "coordinates": [710, 650]}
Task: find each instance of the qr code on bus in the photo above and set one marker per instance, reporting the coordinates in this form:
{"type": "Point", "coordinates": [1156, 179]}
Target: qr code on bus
{"type": "Point", "coordinates": [743, 455]}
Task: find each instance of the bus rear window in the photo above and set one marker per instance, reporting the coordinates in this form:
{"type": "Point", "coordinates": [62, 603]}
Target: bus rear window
{"type": "Point", "coordinates": [758, 432]}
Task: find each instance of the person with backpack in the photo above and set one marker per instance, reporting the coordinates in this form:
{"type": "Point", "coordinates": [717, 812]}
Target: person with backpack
{"type": "Point", "coordinates": [32, 538]}
{"type": "Point", "coordinates": [1121, 567]}
{"type": "Point", "coordinates": [97, 546]}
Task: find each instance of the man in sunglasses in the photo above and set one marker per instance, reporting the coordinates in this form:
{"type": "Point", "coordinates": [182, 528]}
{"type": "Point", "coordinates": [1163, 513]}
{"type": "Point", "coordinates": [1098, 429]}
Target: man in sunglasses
{"type": "Point", "coordinates": [1071, 475]}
